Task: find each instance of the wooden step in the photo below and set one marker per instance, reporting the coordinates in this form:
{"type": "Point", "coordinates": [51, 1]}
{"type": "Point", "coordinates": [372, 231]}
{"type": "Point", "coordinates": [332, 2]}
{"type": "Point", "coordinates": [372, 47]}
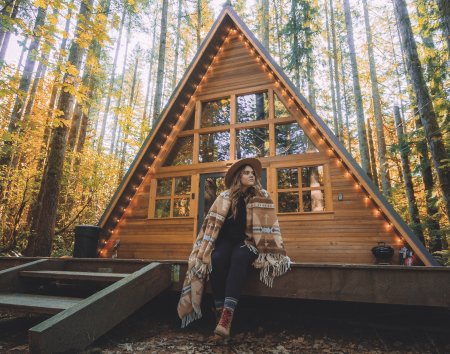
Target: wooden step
{"type": "Point", "coordinates": [36, 303]}
{"type": "Point", "coordinates": [67, 275]}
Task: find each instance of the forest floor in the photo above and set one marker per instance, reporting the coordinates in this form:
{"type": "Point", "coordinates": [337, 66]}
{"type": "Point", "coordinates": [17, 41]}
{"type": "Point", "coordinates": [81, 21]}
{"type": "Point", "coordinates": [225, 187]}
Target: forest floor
{"type": "Point", "coordinates": [264, 326]}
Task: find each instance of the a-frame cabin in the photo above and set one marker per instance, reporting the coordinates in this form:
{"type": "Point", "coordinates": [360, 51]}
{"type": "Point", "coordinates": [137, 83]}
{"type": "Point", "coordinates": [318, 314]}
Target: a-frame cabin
{"type": "Point", "coordinates": [234, 101]}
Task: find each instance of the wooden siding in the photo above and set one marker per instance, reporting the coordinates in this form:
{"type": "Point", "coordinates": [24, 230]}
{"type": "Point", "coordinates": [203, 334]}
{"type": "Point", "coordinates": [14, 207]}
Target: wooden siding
{"type": "Point", "coordinates": [345, 234]}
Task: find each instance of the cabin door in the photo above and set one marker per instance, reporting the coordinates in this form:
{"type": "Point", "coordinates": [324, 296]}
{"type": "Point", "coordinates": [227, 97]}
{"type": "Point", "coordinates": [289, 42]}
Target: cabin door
{"type": "Point", "coordinates": [211, 185]}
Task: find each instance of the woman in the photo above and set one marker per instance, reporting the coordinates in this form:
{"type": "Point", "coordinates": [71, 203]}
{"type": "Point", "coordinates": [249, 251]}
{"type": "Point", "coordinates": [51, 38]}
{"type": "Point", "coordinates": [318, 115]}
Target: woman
{"type": "Point", "coordinates": [241, 228]}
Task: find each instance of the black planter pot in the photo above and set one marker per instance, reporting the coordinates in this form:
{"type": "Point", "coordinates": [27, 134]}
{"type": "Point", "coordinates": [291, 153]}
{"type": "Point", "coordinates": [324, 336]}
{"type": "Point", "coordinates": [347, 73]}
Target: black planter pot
{"type": "Point", "coordinates": [383, 253]}
{"type": "Point", "coordinates": [86, 241]}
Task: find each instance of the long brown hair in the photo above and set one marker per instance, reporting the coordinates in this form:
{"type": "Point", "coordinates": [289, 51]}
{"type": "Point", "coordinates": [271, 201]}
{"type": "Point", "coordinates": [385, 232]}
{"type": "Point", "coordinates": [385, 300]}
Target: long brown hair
{"type": "Point", "coordinates": [236, 192]}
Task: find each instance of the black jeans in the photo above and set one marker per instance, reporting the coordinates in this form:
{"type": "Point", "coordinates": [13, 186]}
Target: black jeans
{"type": "Point", "coordinates": [231, 261]}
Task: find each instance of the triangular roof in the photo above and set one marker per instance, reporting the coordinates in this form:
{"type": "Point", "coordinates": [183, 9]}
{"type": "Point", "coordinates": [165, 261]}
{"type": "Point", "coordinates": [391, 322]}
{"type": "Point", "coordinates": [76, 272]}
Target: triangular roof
{"type": "Point", "coordinates": [181, 99]}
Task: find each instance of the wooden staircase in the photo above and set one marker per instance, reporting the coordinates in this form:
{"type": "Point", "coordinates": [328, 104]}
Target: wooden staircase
{"type": "Point", "coordinates": [87, 297]}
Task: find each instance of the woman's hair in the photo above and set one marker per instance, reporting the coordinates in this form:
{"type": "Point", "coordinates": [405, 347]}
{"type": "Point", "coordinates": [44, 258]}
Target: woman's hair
{"type": "Point", "coordinates": [235, 189]}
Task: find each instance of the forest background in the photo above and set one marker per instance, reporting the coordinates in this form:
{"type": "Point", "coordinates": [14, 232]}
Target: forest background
{"type": "Point", "coordinates": [83, 81]}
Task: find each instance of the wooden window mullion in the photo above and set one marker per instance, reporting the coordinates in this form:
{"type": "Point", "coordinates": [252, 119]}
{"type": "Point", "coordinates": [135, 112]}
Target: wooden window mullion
{"type": "Point", "coordinates": [196, 148]}
{"type": "Point", "coordinates": [272, 137]}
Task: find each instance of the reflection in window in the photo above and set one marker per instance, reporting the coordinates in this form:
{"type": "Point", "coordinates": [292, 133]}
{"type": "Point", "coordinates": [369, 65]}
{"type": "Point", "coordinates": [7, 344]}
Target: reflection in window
{"type": "Point", "coordinates": [291, 139]}
{"type": "Point", "coordinates": [214, 147]}
{"type": "Point", "coordinates": [287, 178]}
{"type": "Point", "coordinates": [215, 113]}
{"type": "Point", "coordinates": [162, 209]}
{"type": "Point", "coordinates": [312, 176]}
{"type": "Point", "coordinates": [252, 142]}
{"type": "Point", "coordinates": [288, 202]}
{"type": "Point", "coordinates": [311, 190]}
{"type": "Point", "coordinates": [213, 187]}
{"type": "Point", "coordinates": [181, 207]}
{"type": "Point", "coordinates": [252, 107]}
{"type": "Point", "coordinates": [173, 193]}
{"type": "Point", "coordinates": [181, 153]}
{"type": "Point", "coordinates": [182, 185]}
{"type": "Point", "coordinates": [313, 200]}
{"type": "Point", "coordinates": [164, 187]}
{"type": "Point", "coordinates": [280, 109]}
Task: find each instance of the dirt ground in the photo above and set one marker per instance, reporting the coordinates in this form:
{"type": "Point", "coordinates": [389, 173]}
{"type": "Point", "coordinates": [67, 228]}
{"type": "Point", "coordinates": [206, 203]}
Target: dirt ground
{"type": "Point", "coordinates": [264, 326]}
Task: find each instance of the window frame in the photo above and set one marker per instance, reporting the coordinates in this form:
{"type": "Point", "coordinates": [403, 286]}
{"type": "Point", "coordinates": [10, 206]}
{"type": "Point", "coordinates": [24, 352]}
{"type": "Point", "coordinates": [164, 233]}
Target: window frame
{"type": "Point", "coordinates": [172, 197]}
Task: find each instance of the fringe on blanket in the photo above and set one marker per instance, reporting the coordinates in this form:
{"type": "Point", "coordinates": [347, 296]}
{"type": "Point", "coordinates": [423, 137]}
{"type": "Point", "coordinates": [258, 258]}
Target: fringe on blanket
{"type": "Point", "coordinates": [272, 266]}
{"type": "Point", "coordinates": [194, 315]}
{"type": "Point", "coordinates": [200, 270]}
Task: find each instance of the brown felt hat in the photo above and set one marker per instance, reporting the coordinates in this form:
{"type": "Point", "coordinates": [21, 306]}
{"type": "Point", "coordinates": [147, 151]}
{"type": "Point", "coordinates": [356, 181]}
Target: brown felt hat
{"type": "Point", "coordinates": [254, 163]}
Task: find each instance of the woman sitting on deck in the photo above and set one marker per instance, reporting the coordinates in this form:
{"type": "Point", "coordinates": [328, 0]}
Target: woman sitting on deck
{"type": "Point", "coordinates": [240, 228]}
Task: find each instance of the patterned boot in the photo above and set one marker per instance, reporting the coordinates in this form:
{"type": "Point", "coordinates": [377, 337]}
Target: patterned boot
{"type": "Point", "coordinates": [224, 325]}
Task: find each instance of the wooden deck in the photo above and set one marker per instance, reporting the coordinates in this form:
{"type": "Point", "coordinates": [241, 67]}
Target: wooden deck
{"type": "Point", "coordinates": [126, 285]}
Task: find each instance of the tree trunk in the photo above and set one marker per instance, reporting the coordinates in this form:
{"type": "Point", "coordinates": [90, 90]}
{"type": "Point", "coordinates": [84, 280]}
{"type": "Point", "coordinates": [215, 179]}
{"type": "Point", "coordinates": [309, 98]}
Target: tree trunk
{"type": "Point", "coordinates": [127, 127]}
{"type": "Point", "coordinates": [344, 88]}
{"type": "Point", "coordinates": [265, 23]}
{"type": "Point", "coordinates": [432, 220]}
{"type": "Point", "coordinates": [336, 74]}
{"type": "Point", "coordinates": [24, 86]}
{"type": "Point", "coordinates": [42, 157]}
{"type": "Point", "coordinates": [330, 70]}
{"type": "Point", "coordinates": [376, 101]}
{"type": "Point", "coordinates": [424, 103]}
{"type": "Point", "coordinates": [295, 44]}
{"type": "Point", "coordinates": [444, 12]}
{"type": "Point", "coordinates": [111, 85]}
{"type": "Point", "coordinates": [373, 165]}
{"type": "Point", "coordinates": [409, 188]}
{"type": "Point", "coordinates": [177, 46]}
{"type": "Point", "coordinates": [278, 26]}
{"type": "Point", "coordinates": [41, 239]}
{"type": "Point", "coordinates": [119, 100]}
{"type": "Point", "coordinates": [149, 79]}
{"type": "Point", "coordinates": [161, 61]}
{"type": "Point", "coordinates": [362, 134]}
{"type": "Point", "coordinates": [5, 34]}
{"type": "Point", "coordinates": [198, 29]}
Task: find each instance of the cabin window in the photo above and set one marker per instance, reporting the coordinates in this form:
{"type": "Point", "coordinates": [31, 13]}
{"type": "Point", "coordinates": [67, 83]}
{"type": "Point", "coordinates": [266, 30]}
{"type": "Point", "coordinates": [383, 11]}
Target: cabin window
{"type": "Point", "coordinates": [291, 139]}
{"type": "Point", "coordinates": [215, 113]}
{"type": "Point", "coordinates": [181, 153]}
{"type": "Point", "coordinates": [172, 197]}
{"type": "Point", "coordinates": [252, 107]}
{"type": "Point", "coordinates": [252, 142]}
{"type": "Point", "coordinates": [214, 147]}
{"type": "Point", "coordinates": [300, 189]}
{"type": "Point", "coordinates": [280, 110]}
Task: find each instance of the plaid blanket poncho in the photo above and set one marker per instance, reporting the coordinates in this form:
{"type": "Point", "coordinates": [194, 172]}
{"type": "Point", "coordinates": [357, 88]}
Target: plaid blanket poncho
{"type": "Point", "coordinates": [263, 238]}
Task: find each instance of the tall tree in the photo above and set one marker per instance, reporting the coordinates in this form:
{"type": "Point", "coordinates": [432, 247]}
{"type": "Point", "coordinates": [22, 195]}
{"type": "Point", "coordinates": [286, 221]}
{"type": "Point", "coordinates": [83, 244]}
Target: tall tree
{"type": "Point", "coordinates": [372, 154]}
{"type": "Point", "coordinates": [111, 84]}
{"type": "Point", "coordinates": [407, 177]}
{"type": "Point", "coordinates": [10, 10]}
{"type": "Point", "coordinates": [177, 45]}
{"type": "Point", "coordinates": [265, 28]}
{"type": "Point", "coordinates": [362, 134]}
{"type": "Point", "coordinates": [376, 102]}
{"type": "Point", "coordinates": [41, 239]}
{"type": "Point", "coordinates": [330, 70]}
{"type": "Point", "coordinates": [119, 99]}
{"type": "Point", "coordinates": [145, 123]}
{"type": "Point", "coordinates": [437, 243]}
{"type": "Point", "coordinates": [336, 73]}
{"type": "Point", "coordinates": [444, 11]}
{"type": "Point", "coordinates": [24, 86]}
{"type": "Point", "coordinates": [161, 61]}
{"type": "Point", "coordinates": [198, 28]}
{"type": "Point", "coordinates": [424, 102]}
